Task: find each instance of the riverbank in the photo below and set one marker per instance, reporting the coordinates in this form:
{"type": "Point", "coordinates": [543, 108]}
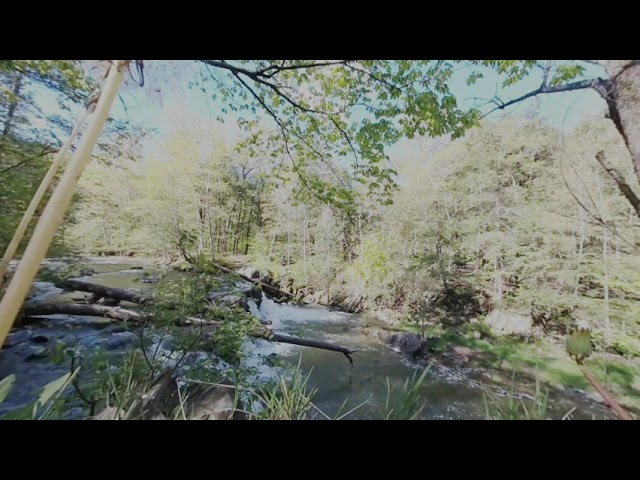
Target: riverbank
{"type": "Point", "coordinates": [517, 364]}
{"type": "Point", "coordinates": [511, 361]}
{"type": "Point", "coordinates": [454, 391]}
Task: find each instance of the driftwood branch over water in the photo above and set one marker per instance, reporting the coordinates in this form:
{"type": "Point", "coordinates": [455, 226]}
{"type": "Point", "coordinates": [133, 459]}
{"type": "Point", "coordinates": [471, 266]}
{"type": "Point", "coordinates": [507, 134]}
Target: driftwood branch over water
{"type": "Point", "coordinates": [123, 314]}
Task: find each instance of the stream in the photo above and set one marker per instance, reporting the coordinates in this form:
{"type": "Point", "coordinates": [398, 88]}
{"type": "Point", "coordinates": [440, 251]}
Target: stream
{"type": "Point", "coordinates": [448, 393]}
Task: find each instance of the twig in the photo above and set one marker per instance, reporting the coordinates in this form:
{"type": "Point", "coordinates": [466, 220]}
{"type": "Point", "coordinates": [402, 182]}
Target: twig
{"type": "Point", "coordinates": [608, 398]}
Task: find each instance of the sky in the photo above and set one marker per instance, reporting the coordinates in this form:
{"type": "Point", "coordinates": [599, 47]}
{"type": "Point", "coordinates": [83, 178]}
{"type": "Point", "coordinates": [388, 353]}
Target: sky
{"type": "Point", "coordinates": [176, 100]}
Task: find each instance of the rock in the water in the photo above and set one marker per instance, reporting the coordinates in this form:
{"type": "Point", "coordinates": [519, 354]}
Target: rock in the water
{"type": "Point", "coordinates": [87, 272]}
{"type": "Point", "coordinates": [137, 268]}
{"type": "Point", "coordinates": [231, 300]}
{"type": "Point", "coordinates": [69, 339]}
{"type": "Point", "coordinates": [7, 364]}
{"type": "Point", "coordinates": [150, 279]}
{"type": "Point", "coordinates": [38, 351]}
{"type": "Point", "coordinates": [91, 341]}
{"type": "Point", "coordinates": [255, 293]}
{"type": "Point", "coordinates": [40, 339]}
{"type": "Point", "coordinates": [115, 329]}
{"type": "Point", "coordinates": [249, 272]}
{"type": "Point", "coordinates": [507, 323]}
{"type": "Point", "coordinates": [410, 344]}
{"type": "Point", "coordinates": [244, 304]}
{"type": "Point", "coordinates": [167, 342]}
{"type": "Point", "coordinates": [119, 340]}
{"type": "Point", "coordinates": [15, 338]}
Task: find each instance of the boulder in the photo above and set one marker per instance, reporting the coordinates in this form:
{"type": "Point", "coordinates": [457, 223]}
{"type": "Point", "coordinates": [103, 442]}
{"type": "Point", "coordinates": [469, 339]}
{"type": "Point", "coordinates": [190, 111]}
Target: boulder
{"type": "Point", "coordinates": [408, 343]}
{"type": "Point", "coordinates": [255, 292]}
{"type": "Point", "coordinates": [249, 272]}
{"type": "Point", "coordinates": [214, 403]}
{"type": "Point", "coordinates": [507, 323]}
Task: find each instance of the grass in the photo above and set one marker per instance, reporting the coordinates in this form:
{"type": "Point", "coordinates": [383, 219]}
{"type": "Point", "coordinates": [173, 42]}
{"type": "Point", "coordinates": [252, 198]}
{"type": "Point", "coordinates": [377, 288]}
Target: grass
{"type": "Point", "coordinates": [510, 408]}
{"type": "Point", "coordinates": [548, 362]}
{"type": "Point", "coordinates": [407, 402]}
{"type": "Point", "coordinates": [286, 400]}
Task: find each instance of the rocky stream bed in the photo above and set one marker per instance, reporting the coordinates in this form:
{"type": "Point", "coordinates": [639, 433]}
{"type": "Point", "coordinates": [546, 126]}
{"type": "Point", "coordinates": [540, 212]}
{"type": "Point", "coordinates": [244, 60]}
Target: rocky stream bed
{"type": "Point", "coordinates": [454, 389]}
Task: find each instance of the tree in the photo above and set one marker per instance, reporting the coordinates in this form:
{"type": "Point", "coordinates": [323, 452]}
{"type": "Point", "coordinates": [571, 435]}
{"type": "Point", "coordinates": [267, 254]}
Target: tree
{"type": "Point", "coordinates": [323, 111]}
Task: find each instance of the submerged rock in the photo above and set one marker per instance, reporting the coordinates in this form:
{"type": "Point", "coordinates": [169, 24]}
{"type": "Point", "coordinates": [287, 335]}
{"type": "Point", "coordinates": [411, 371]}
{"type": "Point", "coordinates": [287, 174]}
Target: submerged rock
{"type": "Point", "coordinates": [119, 340]}
{"type": "Point", "coordinates": [40, 339]}
{"type": "Point", "coordinates": [150, 280]}
{"type": "Point", "coordinates": [69, 339]}
{"type": "Point", "coordinates": [38, 351]}
{"type": "Point", "coordinates": [16, 338]}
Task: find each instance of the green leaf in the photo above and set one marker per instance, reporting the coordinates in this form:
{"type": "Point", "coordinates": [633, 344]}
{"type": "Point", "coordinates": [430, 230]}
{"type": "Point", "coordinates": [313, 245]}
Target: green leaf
{"type": "Point", "coordinates": [54, 389]}
{"type": "Point", "coordinates": [5, 386]}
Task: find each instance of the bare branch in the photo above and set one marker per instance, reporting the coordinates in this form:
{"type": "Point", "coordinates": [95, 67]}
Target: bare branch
{"type": "Point", "coordinates": [596, 84]}
{"type": "Point", "coordinates": [594, 62]}
{"type": "Point", "coordinates": [45, 151]}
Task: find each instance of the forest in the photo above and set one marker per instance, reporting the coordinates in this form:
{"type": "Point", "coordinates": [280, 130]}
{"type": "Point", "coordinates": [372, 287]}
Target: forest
{"type": "Point", "coordinates": [492, 247]}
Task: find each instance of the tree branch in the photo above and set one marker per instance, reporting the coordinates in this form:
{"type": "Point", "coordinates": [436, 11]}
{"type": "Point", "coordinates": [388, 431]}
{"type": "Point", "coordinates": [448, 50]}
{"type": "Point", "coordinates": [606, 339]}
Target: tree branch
{"type": "Point", "coordinates": [596, 84]}
{"type": "Point", "coordinates": [623, 186]}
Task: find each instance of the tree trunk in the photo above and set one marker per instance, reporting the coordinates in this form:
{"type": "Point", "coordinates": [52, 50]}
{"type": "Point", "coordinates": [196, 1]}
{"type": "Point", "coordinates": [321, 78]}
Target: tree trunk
{"type": "Point", "coordinates": [246, 245]}
{"type": "Point", "coordinates": [623, 99]}
{"type": "Point", "coordinates": [117, 313]}
{"type": "Point", "coordinates": [100, 291]}
{"type": "Point", "coordinates": [605, 265]}
{"type": "Point", "coordinates": [275, 233]}
{"type": "Point", "coordinates": [304, 254]}
{"type": "Point", "coordinates": [580, 250]}
{"type": "Point", "coordinates": [11, 111]}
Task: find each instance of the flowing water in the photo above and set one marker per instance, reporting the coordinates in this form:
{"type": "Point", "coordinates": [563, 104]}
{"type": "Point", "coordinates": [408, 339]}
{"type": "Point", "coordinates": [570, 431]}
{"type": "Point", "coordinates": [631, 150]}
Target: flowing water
{"type": "Point", "coordinates": [448, 393]}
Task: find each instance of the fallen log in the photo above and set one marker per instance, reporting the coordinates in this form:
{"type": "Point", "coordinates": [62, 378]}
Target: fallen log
{"type": "Point", "coordinates": [100, 291]}
{"type": "Point", "coordinates": [117, 313]}
{"type": "Point", "coordinates": [122, 314]}
{"type": "Point", "coordinates": [268, 289]}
